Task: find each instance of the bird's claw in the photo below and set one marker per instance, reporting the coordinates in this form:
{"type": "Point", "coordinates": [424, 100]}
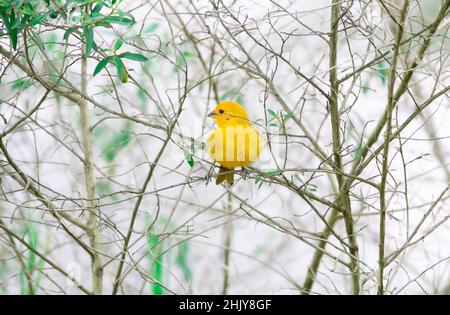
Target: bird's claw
{"type": "Point", "coordinates": [210, 173]}
{"type": "Point", "coordinates": [245, 172]}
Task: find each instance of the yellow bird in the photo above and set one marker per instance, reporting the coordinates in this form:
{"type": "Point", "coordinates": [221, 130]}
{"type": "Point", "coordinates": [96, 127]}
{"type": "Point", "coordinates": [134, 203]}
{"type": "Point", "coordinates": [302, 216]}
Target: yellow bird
{"type": "Point", "coordinates": [235, 142]}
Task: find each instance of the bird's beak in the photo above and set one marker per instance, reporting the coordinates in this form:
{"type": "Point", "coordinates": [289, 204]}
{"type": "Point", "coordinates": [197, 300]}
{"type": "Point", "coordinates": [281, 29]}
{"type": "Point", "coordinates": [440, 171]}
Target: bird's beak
{"type": "Point", "coordinates": [212, 114]}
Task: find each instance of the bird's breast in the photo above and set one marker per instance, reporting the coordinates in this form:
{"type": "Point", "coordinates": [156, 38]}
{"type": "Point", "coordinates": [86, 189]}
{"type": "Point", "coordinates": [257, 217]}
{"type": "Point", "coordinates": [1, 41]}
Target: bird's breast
{"type": "Point", "coordinates": [235, 145]}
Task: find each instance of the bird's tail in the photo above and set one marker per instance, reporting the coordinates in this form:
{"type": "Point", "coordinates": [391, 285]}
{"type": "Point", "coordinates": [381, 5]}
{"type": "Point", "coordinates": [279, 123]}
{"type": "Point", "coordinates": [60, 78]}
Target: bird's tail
{"type": "Point", "coordinates": [225, 175]}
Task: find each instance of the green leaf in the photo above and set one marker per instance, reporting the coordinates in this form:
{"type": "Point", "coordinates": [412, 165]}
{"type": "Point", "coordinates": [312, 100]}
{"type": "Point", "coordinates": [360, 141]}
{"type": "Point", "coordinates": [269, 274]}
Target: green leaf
{"type": "Point", "coordinates": [357, 152]}
{"type": "Point", "coordinates": [38, 40]}
{"type": "Point", "coordinates": [287, 116]}
{"type": "Point", "coordinates": [382, 71]}
{"type": "Point", "coordinates": [240, 100]}
{"type": "Point", "coordinates": [102, 64]}
{"type": "Point", "coordinates": [40, 266]}
{"type": "Point", "coordinates": [30, 266]}
{"type": "Point", "coordinates": [89, 37]}
{"type": "Point", "coordinates": [189, 159]}
{"type": "Point", "coordinates": [96, 10]}
{"type": "Point", "coordinates": [182, 262]}
{"type": "Point", "coordinates": [181, 61]}
{"type": "Point", "coordinates": [118, 44]}
{"type": "Point", "coordinates": [365, 88]}
{"type": "Point", "coordinates": [21, 84]}
{"type": "Point", "coordinates": [118, 20]}
{"type": "Point", "coordinates": [272, 113]}
{"type": "Point", "coordinates": [38, 19]}
{"type": "Point", "coordinates": [151, 28]}
{"type": "Point", "coordinates": [142, 95]}
{"type": "Point", "coordinates": [296, 176]}
{"type": "Point", "coordinates": [115, 144]}
{"type": "Point", "coordinates": [259, 180]}
{"type": "Point", "coordinates": [125, 14]}
{"type": "Point", "coordinates": [5, 18]}
{"type": "Point", "coordinates": [133, 56]}
{"type": "Point", "coordinates": [121, 70]}
{"type": "Point", "coordinates": [103, 188]}
{"type": "Point", "coordinates": [188, 54]}
{"type": "Point", "coordinates": [98, 131]}
{"type": "Point", "coordinates": [26, 9]}
{"type": "Point", "coordinates": [156, 259]}
{"type": "Point", "coordinates": [273, 173]}
{"type": "Point", "coordinates": [68, 32]}
{"type": "Point", "coordinates": [13, 30]}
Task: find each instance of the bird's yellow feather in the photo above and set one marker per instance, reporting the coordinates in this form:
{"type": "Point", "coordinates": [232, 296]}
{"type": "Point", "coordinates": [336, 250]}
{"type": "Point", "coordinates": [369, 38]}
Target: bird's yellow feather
{"type": "Point", "coordinates": [235, 142]}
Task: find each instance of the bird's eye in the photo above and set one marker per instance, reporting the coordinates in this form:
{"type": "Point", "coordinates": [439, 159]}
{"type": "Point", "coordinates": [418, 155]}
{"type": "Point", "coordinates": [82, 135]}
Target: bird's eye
{"type": "Point", "coordinates": [220, 111]}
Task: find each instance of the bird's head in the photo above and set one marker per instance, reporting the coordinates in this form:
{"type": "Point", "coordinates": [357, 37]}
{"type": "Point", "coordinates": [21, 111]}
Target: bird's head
{"type": "Point", "coordinates": [229, 113]}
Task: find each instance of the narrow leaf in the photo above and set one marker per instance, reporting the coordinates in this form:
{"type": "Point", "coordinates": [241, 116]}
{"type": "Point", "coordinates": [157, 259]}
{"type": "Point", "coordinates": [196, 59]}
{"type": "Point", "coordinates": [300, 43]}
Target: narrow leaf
{"type": "Point", "coordinates": [156, 260]}
{"type": "Point", "coordinates": [133, 56]}
{"type": "Point", "coordinates": [182, 261]}
{"type": "Point", "coordinates": [151, 28]}
{"type": "Point", "coordinates": [38, 40]}
{"type": "Point", "coordinates": [13, 31]}
{"type": "Point", "coordinates": [287, 116]}
{"type": "Point", "coordinates": [118, 44]}
{"type": "Point", "coordinates": [382, 71]}
{"type": "Point", "coordinates": [89, 35]}
{"type": "Point", "coordinates": [38, 19]}
{"type": "Point", "coordinates": [188, 54]}
{"type": "Point", "coordinates": [97, 8]}
{"type": "Point", "coordinates": [272, 113]}
{"type": "Point", "coordinates": [118, 20]}
{"type": "Point", "coordinates": [68, 32]}
{"type": "Point", "coordinates": [273, 173]}
{"type": "Point", "coordinates": [102, 64]}
{"type": "Point", "coordinates": [115, 144]}
{"type": "Point", "coordinates": [189, 159]}
{"type": "Point", "coordinates": [121, 70]}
